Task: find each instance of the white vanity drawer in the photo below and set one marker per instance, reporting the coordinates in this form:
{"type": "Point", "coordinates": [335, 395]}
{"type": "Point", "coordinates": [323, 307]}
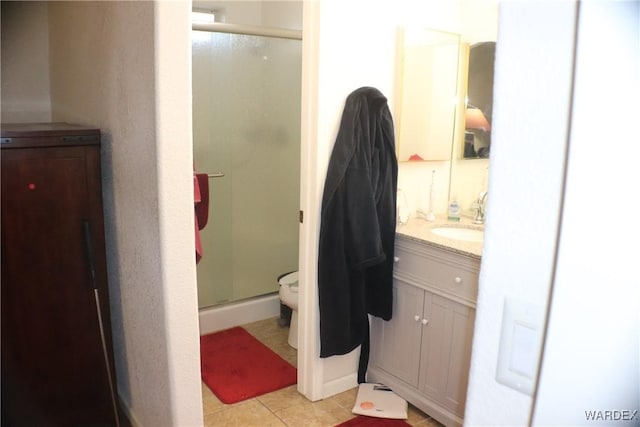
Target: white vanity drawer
{"type": "Point", "coordinates": [437, 269]}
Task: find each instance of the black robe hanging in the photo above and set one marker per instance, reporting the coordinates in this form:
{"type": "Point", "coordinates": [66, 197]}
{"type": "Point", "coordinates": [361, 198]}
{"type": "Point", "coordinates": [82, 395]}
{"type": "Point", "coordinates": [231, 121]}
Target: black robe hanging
{"type": "Point", "coordinates": [358, 221]}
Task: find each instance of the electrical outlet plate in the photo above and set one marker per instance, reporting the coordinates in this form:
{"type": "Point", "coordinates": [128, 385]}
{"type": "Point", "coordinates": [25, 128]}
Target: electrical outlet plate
{"type": "Point", "coordinates": [520, 344]}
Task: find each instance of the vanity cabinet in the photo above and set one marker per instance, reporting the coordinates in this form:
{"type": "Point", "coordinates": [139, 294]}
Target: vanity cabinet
{"type": "Point", "coordinates": [57, 357]}
{"type": "Point", "coordinates": [423, 352]}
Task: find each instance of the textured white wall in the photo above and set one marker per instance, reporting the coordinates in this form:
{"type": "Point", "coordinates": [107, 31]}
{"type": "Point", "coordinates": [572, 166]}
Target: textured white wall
{"type": "Point", "coordinates": [174, 145]}
{"type": "Point", "coordinates": [341, 64]}
{"type": "Point", "coordinates": [592, 357]}
{"type": "Point", "coordinates": [531, 108]}
{"type": "Point", "coordinates": [119, 75]}
{"type": "Point", "coordinates": [333, 66]}
{"type": "Point", "coordinates": [25, 62]}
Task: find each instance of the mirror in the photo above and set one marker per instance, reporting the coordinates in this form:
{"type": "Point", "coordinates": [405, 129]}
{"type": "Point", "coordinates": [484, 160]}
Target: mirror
{"type": "Point", "coordinates": [425, 124]}
{"type": "Point", "coordinates": [469, 179]}
{"type": "Point", "coordinates": [455, 176]}
{"type": "Point", "coordinates": [479, 111]}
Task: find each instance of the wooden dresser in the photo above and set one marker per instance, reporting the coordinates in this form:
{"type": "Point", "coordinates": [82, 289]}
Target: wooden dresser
{"type": "Point", "coordinates": [57, 357]}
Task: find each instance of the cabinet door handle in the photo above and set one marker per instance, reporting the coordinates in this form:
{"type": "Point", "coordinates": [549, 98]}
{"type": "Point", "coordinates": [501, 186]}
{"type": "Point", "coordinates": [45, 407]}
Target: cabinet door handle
{"type": "Point", "coordinates": [88, 243]}
{"type": "Point", "coordinates": [425, 321]}
{"type": "Point", "coordinates": [416, 317]}
{"type": "Point", "coordinates": [396, 259]}
{"type": "Point", "coordinates": [458, 279]}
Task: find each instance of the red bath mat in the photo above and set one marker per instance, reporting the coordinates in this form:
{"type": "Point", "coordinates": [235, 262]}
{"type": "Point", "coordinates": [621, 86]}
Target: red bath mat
{"type": "Point", "coordinates": [236, 366]}
{"type": "Point", "coordinates": [363, 421]}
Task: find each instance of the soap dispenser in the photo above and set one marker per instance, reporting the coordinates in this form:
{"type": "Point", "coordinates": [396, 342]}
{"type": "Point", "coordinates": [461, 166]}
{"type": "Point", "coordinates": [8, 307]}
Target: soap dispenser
{"type": "Point", "coordinates": [454, 210]}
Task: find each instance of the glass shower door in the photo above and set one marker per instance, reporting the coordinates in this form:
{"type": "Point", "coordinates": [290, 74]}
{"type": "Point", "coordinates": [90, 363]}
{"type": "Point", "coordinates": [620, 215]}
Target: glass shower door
{"type": "Point", "coordinates": [246, 125]}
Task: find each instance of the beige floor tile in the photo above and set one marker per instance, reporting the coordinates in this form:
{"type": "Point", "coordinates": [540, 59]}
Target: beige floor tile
{"type": "Point", "coordinates": [273, 340]}
{"type": "Point", "coordinates": [282, 399]}
{"type": "Point", "coordinates": [345, 399]}
{"type": "Point", "coordinates": [273, 336]}
{"type": "Point", "coordinates": [416, 416]}
{"type": "Point", "coordinates": [428, 422]}
{"type": "Point", "coordinates": [211, 403]}
{"type": "Point", "coordinates": [314, 414]}
{"type": "Point", "coordinates": [266, 328]}
{"type": "Point", "coordinates": [206, 392]}
{"type": "Point", "coordinates": [285, 407]}
{"type": "Point", "coordinates": [248, 414]}
{"type": "Point", "coordinates": [284, 350]}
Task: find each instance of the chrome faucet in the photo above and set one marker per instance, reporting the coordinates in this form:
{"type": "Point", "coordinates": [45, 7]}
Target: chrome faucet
{"type": "Point", "coordinates": [480, 207]}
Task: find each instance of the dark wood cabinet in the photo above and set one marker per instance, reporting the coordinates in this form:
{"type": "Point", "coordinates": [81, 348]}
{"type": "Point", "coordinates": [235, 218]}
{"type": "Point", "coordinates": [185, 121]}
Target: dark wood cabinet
{"type": "Point", "coordinates": [57, 357]}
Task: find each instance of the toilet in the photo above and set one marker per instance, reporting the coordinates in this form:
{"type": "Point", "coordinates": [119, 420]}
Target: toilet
{"type": "Point", "coordinates": [289, 296]}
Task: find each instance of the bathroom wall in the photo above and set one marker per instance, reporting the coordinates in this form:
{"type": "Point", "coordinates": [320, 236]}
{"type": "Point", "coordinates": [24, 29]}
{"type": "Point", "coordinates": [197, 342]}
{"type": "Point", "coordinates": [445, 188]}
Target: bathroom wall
{"type": "Point", "coordinates": [334, 66]}
{"type": "Point", "coordinates": [343, 64]}
{"type": "Point", "coordinates": [560, 253]}
{"type": "Point", "coordinates": [525, 187]}
{"type": "Point", "coordinates": [128, 73]}
{"type": "Point", "coordinates": [593, 333]}
{"type": "Point", "coordinates": [25, 91]}
{"type": "Point", "coordinates": [278, 14]}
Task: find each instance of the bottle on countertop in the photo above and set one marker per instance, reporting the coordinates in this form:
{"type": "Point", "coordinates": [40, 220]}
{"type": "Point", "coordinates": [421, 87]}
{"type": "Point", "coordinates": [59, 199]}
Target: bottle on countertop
{"type": "Point", "coordinates": [454, 210]}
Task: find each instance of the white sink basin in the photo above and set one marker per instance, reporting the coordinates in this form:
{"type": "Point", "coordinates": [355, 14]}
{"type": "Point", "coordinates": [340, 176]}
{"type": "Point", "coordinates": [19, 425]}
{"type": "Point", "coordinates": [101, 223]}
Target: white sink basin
{"type": "Point", "coordinates": [459, 233]}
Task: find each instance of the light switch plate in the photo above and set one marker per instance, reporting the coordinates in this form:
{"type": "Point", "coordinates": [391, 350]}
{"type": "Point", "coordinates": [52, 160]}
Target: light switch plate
{"type": "Point", "coordinates": [520, 343]}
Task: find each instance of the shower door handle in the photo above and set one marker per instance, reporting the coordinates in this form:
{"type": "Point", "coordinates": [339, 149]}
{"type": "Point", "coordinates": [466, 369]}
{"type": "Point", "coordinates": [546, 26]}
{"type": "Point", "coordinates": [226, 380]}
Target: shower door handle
{"type": "Point", "coordinates": [215, 175]}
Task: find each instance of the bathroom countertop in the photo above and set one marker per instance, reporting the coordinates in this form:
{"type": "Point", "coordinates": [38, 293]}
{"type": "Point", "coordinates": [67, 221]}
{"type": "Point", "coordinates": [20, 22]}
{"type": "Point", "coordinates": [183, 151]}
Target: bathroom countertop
{"type": "Point", "coordinates": [419, 229]}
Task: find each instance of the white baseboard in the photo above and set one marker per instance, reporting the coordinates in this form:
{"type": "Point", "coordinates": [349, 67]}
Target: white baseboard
{"type": "Point", "coordinates": [339, 385]}
{"type": "Point", "coordinates": [227, 316]}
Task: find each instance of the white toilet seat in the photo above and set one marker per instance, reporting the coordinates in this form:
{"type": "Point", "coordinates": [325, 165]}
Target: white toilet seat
{"type": "Point", "coordinates": [289, 279]}
{"type": "Point", "coordinates": [289, 296]}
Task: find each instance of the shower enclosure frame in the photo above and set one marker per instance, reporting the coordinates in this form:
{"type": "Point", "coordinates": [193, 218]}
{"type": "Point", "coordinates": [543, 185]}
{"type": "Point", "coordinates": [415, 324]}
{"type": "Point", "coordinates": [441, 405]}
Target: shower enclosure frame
{"type": "Point", "coordinates": [247, 30]}
{"type": "Point", "coordinates": [259, 305]}
{"type": "Point", "coordinates": [310, 367]}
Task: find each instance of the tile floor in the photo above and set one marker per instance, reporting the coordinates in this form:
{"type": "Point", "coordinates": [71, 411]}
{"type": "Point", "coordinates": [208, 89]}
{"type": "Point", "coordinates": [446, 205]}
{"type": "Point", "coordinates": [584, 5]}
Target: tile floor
{"type": "Point", "coordinates": [287, 407]}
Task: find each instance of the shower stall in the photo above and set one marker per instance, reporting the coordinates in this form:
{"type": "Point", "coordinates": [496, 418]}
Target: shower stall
{"type": "Point", "coordinates": [246, 136]}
